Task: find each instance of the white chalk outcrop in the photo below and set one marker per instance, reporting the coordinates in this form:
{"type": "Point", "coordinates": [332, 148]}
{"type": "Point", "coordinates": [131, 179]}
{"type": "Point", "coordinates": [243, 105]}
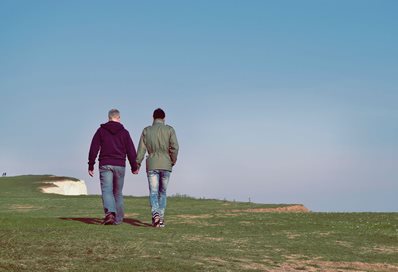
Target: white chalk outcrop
{"type": "Point", "coordinates": [66, 187]}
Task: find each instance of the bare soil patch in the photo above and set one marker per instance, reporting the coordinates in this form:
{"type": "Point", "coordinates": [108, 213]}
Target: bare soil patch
{"type": "Point", "coordinates": [198, 238]}
{"type": "Point", "coordinates": [293, 208]}
{"type": "Point", "coordinates": [293, 264]}
{"type": "Point", "coordinates": [255, 266]}
{"type": "Point", "coordinates": [344, 244]}
{"type": "Point", "coordinates": [385, 249]}
{"type": "Point", "coordinates": [24, 208]}
{"type": "Point", "coordinates": [194, 216]}
{"type": "Point", "coordinates": [350, 266]}
{"type": "Point", "coordinates": [324, 234]}
{"type": "Point", "coordinates": [131, 214]}
{"type": "Point", "coordinates": [245, 264]}
{"type": "Point", "coordinates": [292, 235]}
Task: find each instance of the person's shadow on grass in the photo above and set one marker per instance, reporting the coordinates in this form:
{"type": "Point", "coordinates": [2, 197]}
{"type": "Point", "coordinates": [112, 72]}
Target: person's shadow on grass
{"type": "Point", "coordinates": [98, 221]}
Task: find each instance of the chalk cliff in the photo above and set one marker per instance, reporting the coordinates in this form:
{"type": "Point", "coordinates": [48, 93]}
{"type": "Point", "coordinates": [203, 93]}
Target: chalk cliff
{"type": "Point", "coordinates": [66, 187]}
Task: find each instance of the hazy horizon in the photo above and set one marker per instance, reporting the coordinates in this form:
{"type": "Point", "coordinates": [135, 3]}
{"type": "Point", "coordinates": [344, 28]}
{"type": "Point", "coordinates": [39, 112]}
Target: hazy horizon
{"type": "Point", "coordinates": [279, 102]}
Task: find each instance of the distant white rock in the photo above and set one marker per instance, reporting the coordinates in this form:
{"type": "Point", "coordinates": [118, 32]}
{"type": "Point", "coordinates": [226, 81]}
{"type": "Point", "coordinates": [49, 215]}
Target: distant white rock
{"type": "Point", "coordinates": [66, 187]}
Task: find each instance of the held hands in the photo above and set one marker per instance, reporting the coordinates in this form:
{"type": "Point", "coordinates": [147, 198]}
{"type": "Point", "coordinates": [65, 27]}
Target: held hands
{"type": "Point", "coordinates": [137, 170]}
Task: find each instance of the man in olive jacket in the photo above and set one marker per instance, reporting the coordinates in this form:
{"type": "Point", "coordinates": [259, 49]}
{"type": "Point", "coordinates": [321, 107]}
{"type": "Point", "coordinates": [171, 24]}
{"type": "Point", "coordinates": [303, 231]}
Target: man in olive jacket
{"type": "Point", "coordinates": [160, 141]}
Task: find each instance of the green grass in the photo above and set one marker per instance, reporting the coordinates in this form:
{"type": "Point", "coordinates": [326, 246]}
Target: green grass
{"type": "Point", "coordinates": [46, 232]}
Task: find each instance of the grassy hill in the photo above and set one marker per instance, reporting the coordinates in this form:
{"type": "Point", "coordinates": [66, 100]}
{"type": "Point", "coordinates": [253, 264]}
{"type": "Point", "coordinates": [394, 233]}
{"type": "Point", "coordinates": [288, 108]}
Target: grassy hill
{"type": "Point", "coordinates": [45, 232]}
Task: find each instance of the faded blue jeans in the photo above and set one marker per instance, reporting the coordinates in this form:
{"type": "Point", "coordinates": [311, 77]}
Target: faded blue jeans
{"type": "Point", "coordinates": [158, 181]}
{"type": "Point", "coordinates": [112, 180]}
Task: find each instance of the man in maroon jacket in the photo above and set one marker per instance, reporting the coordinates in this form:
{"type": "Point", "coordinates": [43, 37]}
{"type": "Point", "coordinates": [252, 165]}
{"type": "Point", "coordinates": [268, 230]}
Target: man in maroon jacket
{"type": "Point", "coordinates": [114, 143]}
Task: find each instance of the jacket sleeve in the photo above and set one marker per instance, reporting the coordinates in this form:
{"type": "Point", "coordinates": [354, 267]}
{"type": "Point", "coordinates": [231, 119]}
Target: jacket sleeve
{"type": "Point", "coordinates": [173, 148]}
{"type": "Point", "coordinates": [131, 152]}
{"type": "Point", "coordinates": [141, 149]}
{"type": "Point", "coordinates": [94, 149]}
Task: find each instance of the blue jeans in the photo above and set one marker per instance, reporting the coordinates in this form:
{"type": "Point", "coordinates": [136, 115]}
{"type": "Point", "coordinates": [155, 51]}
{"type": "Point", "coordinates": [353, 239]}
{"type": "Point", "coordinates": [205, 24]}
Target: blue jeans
{"type": "Point", "coordinates": [158, 181]}
{"type": "Point", "coordinates": [112, 180]}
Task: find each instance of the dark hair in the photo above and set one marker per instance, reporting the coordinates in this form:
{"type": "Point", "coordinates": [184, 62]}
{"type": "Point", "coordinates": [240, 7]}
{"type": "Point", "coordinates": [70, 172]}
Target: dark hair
{"type": "Point", "coordinates": [159, 114]}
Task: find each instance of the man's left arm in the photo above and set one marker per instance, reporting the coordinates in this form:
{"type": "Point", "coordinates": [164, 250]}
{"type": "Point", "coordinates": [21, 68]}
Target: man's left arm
{"type": "Point", "coordinates": [94, 149]}
{"type": "Point", "coordinates": [141, 150]}
{"type": "Point", "coordinates": [173, 149]}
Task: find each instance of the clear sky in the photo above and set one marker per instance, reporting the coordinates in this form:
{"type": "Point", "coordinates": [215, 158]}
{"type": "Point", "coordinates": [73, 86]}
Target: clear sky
{"type": "Point", "coordinates": [276, 101]}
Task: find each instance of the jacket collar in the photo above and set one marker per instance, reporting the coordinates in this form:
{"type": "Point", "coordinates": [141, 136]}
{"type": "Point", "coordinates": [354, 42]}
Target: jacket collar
{"type": "Point", "coordinates": [158, 121]}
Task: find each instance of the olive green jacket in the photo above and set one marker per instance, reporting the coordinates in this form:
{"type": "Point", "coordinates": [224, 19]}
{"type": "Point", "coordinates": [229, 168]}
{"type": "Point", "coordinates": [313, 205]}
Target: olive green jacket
{"type": "Point", "coordinates": [160, 141]}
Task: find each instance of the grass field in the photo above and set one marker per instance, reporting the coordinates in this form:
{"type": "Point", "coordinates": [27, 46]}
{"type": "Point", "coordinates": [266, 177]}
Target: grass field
{"type": "Point", "coordinates": [45, 232]}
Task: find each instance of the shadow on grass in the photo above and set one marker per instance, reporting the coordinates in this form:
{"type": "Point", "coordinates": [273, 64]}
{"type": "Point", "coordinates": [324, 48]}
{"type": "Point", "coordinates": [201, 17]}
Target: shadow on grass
{"type": "Point", "coordinates": [98, 221]}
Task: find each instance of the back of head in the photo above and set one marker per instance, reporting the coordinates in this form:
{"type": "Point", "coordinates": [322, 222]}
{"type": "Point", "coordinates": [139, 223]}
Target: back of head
{"type": "Point", "coordinates": [114, 114]}
{"type": "Point", "coordinates": [159, 114]}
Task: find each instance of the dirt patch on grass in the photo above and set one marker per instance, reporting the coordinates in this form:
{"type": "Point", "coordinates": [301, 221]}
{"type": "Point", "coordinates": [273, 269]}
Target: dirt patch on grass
{"type": "Point", "coordinates": [207, 224]}
{"type": "Point", "coordinates": [246, 223]}
{"type": "Point", "coordinates": [328, 266]}
{"type": "Point", "coordinates": [293, 208]}
{"type": "Point", "coordinates": [385, 249]}
{"type": "Point", "coordinates": [242, 264]}
{"type": "Point", "coordinates": [198, 238]}
{"type": "Point", "coordinates": [216, 261]}
{"type": "Point", "coordinates": [344, 244]}
{"type": "Point", "coordinates": [202, 224]}
{"type": "Point", "coordinates": [294, 263]}
{"type": "Point", "coordinates": [236, 214]}
{"type": "Point", "coordinates": [131, 214]}
{"type": "Point", "coordinates": [195, 216]}
{"type": "Point", "coordinates": [292, 235]}
{"type": "Point", "coordinates": [24, 208]}
{"type": "Point", "coordinates": [324, 234]}
{"type": "Point", "coordinates": [194, 219]}
{"type": "Point", "coordinates": [255, 266]}
{"type": "Point", "coordinates": [240, 241]}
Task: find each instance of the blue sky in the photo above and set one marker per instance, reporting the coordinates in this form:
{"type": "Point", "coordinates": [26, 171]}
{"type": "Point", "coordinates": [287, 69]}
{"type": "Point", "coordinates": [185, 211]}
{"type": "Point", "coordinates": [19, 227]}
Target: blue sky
{"type": "Point", "coordinates": [276, 101]}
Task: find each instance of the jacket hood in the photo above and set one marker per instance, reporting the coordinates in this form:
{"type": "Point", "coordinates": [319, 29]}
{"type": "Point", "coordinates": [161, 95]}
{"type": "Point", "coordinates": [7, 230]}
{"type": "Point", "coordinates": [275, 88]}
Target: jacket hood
{"type": "Point", "coordinates": [113, 127]}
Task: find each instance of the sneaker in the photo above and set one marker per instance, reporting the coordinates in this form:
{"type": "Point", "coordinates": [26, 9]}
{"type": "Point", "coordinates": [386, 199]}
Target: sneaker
{"type": "Point", "coordinates": [161, 223]}
{"type": "Point", "coordinates": [109, 219]}
{"type": "Point", "coordinates": [155, 220]}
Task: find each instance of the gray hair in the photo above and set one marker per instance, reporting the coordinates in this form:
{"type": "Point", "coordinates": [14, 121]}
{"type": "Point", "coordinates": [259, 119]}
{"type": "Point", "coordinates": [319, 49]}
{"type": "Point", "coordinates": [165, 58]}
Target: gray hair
{"type": "Point", "coordinates": [113, 113]}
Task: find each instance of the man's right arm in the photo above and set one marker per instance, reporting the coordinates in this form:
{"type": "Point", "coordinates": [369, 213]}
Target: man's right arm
{"type": "Point", "coordinates": [141, 149]}
{"type": "Point", "coordinates": [94, 149]}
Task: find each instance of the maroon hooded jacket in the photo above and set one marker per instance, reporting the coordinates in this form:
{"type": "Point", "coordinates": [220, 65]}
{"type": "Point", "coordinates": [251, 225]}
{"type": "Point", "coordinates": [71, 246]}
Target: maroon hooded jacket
{"type": "Point", "coordinates": [114, 143]}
